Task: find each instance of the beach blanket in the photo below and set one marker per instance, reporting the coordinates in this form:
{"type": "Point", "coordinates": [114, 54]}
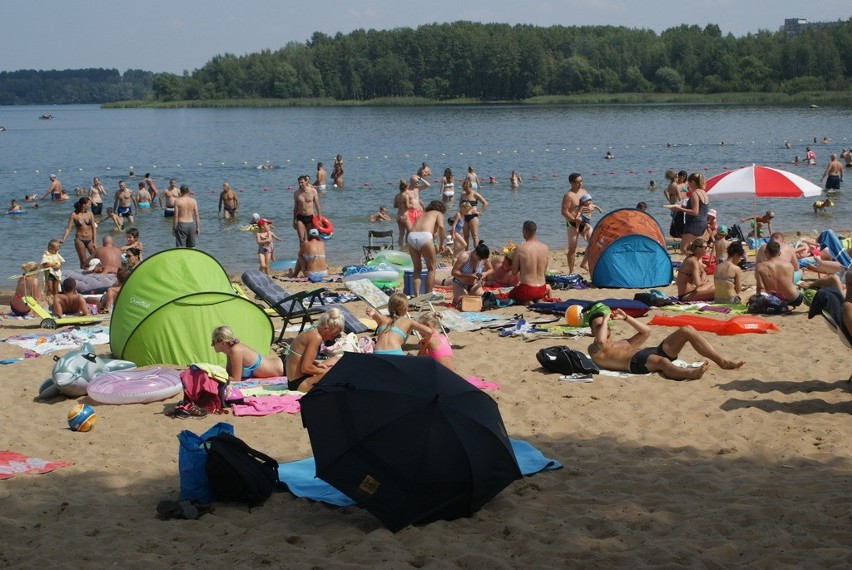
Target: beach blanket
{"type": "Point", "coordinates": [64, 339]}
{"type": "Point", "coordinates": [301, 480]}
{"type": "Point", "coordinates": [12, 464]}
{"type": "Point", "coordinates": [703, 307]}
{"type": "Point", "coordinates": [629, 306]}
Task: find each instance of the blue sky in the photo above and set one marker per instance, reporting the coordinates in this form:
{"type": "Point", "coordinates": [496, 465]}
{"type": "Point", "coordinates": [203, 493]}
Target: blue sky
{"type": "Point", "coordinates": [177, 35]}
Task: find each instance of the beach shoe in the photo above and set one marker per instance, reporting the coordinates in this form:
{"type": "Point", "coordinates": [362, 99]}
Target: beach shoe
{"type": "Point", "coordinates": [188, 410]}
{"type": "Point", "coordinates": [188, 510]}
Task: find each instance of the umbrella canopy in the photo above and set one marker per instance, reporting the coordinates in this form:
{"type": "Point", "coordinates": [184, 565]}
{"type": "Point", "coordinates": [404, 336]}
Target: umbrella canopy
{"type": "Point", "coordinates": [757, 181]}
{"type": "Point", "coordinates": [407, 438]}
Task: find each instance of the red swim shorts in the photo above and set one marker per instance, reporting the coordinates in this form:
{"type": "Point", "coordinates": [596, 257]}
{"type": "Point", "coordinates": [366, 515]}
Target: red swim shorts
{"type": "Point", "coordinates": [413, 215]}
{"type": "Point", "coordinates": [526, 293]}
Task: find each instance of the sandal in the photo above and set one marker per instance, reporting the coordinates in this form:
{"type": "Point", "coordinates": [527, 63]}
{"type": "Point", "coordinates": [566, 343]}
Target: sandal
{"type": "Point", "coordinates": [188, 410]}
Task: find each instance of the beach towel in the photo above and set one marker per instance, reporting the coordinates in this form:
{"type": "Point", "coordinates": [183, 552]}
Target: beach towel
{"type": "Point", "coordinates": [12, 464]}
{"type": "Point", "coordinates": [64, 339]}
{"type": "Point", "coordinates": [301, 480]}
{"type": "Point", "coordinates": [267, 405]}
{"type": "Point", "coordinates": [629, 306]}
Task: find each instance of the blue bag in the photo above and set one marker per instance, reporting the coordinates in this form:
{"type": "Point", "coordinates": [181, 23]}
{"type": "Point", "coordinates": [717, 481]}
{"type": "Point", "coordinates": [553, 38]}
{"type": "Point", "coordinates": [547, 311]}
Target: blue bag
{"type": "Point", "coordinates": [192, 463]}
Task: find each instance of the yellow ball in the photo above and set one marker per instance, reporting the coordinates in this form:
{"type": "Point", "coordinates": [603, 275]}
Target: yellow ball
{"type": "Point", "coordinates": [81, 417]}
{"type": "Point", "coordinates": [574, 316]}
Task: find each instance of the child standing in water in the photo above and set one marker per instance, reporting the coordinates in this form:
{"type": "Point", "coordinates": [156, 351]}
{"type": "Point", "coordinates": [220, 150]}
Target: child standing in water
{"type": "Point", "coordinates": [265, 247]}
{"type": "Point", "coordinates": [391, 333]}
{"type": "Point", "coordinates": [437, 346]}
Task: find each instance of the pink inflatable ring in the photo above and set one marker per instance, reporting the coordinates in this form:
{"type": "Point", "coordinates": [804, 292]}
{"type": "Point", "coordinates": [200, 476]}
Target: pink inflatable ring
{"type": "Point", "coordinates": [135, 386]}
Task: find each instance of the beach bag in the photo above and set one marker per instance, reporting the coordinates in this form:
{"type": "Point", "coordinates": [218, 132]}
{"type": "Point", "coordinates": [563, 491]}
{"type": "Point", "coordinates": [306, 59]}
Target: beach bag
{"type": "Point", "coordinates": [491, 301]}
{"type": "Point", "coordinates": [566, 361]}
{"type": "Point", "coordinates": [236, 472]}
{"type": "Point", "coordinates": [767, 304]}
{"type": "Point", "coordinates": [192, 463]}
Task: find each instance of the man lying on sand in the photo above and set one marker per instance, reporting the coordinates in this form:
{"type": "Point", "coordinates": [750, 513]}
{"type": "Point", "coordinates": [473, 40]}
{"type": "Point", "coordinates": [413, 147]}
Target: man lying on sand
{"type": "Point", "coordinates": [629, 356]}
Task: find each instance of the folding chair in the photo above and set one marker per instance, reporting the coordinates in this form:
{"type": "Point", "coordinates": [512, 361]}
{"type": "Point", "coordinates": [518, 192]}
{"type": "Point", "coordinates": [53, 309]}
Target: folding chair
{"type": "Point", "coordinates": [295, 307]}
{"type": "Point", "coordinates": [49, 321]}
{"type": "Point", "coordinates": [828, 303]}
{"type": "Point", "coordinates": [377, 241]}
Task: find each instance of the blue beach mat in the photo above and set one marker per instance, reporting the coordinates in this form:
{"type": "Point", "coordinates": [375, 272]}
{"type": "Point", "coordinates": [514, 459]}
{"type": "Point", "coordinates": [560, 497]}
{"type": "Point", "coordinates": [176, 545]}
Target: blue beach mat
{"type": "Point", "coordinates": [300, 476]}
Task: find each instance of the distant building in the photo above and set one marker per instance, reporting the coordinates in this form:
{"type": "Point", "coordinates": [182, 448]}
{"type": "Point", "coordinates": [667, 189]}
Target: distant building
{"type": "Point", "coordinates": [795, 26]}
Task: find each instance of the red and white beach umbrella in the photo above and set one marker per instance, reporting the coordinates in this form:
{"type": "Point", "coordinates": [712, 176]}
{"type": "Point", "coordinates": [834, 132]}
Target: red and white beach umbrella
{"type": "Point", "coordinates": [757, 181]}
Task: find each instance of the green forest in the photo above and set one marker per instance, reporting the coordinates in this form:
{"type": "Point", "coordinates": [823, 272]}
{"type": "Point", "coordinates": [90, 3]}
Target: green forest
{"type": "Point", "coordinates": [481, 62]}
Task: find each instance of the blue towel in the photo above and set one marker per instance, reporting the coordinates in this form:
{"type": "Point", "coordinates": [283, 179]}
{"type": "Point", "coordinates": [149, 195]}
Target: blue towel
{"type": "Point", "coordinates": [300, 476]}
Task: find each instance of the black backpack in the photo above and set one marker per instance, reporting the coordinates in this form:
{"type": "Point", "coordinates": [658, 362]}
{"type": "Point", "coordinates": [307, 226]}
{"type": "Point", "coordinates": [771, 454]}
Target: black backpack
{"type": "Point", "coordinates": [565, 360]}
{"type": "Point", "coordinates": [236, 472]}
{"type": "Point", "coordinates": [768, 304]}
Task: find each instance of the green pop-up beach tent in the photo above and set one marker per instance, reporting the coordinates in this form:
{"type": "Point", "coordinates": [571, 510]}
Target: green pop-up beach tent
{"type": "Point", "coordinates": [170, 304]}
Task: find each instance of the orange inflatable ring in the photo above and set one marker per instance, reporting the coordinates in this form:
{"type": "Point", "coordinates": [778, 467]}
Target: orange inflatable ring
{"type": "Point", "coordinates": [322, 224]}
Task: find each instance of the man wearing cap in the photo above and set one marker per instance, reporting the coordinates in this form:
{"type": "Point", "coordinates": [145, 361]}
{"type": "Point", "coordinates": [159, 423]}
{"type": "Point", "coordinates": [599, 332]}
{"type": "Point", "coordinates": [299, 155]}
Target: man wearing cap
{"type": "Point", "coordinates": [571, 213]}
{"type": "Point", "coordinates": [585, 227]}
{"type": "Point", "coordinates": [95, 266]}
{"type": "Point", "coordinates": [721, 243]}
{"type": "Point", "coordinates": [186, 224]}
{"type": "Point", "coordinates": [54, 190]}
{"type": "Point", "coordinates": [627, 355]}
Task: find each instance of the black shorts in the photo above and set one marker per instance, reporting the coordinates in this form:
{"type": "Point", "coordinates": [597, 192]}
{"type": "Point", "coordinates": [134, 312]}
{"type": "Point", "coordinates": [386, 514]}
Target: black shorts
{"type": "Point", "coordinates": [305, 218]}
{"type": "Point", "coordinates": [638, 364]}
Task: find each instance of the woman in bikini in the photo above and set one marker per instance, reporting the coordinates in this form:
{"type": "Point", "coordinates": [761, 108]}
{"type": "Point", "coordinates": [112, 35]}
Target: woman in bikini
{"type": "Point", "coordinates": [243, 361]}
{"type": "Point", "coordinates": [393, 331]}
{"type": "Point", "coordinates": [86, 235]}
{"type": "Point", "coordinates": [448, 186]}
{"type": "Point", "coordinates": [311, 261]}
{"type": "Point", "coordinates": [27, 286]}
{"type": "Point", "coordinates": [303, 367]}
{"type": "Point", "coordinates": [471, 219]}
{"type": "Point", "coordinates": [470, 271]}
{"type": "Point", "coordinates": [727, 279]}
{"type": "Point", "coordinates": [402, 203]}
{"type": "Point", "coordinates": [693, 283]}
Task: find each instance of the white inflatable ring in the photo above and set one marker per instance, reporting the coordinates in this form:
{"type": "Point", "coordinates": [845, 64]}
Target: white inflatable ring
{"type": "Point", "coordinates": [135, 386]}
{"type": "Point", "coordinates": [394, 257]}
{"type": "Point", "coordinates": [373, 274]}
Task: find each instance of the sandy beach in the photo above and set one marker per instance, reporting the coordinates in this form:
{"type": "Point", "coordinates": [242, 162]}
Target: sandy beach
{"type": "Point", "coordinates": [742, 468]}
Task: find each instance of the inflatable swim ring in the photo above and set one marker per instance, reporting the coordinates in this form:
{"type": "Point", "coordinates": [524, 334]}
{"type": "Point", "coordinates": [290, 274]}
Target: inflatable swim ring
{"type": "Point", "coordinates": [323, 225]}
{"type": "Point", "coordinates": [16, 212]}
{"type": "Point", "coordinates": [135, 386]}
{"type": "Point", "coordinates": [393, 257]}
{"type": "Point", "coordinates": [282, 264]}
{"type": "Point", "coordinates": [375, 273]}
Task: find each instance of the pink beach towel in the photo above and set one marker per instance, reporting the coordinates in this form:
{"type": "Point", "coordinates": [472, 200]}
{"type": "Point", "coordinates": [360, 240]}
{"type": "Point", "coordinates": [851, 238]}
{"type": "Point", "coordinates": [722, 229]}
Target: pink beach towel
{"type": "Point", "coordinates": [482, 384]}
{"type": "Point", "coordinates": [12, 464]}
{"type": "Point", "coordinates": [266, 405]}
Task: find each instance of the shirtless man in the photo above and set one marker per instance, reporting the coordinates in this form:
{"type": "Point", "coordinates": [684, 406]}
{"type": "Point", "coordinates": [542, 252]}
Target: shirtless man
{"type": "Point", "coordinates": [787, 255]}
{"type": "Point", "coordinates": [123, 204]}
{"type": "Point", "coordinates": [833, 174]}
{"type": "Point", "coordinates": [319, 183]}
{"type": "Point", "coordinates": [170, 194]}
{"type": "Point", "coordinates": [152, 188]}
{"type": "Point", "coordinates": [185, 225]}
{"type": "Point", "coordinates": [229, 200]}
{"type": "Point", "coordinates": [305, 206]}
{"type": "Point", "coordinates": [571, 213]}
{"type": "Point", "coordinates": [109, 255]}
{"type": "Point", "coordinates": [69, 301]}
{"type": "Point", "coordinates": [54, 190]}
{"type": "Point", "coordinates": [627, 355]}
{"type": "Point", "coordinates": [775, 275]}
{"type": "Point", "coordinates": [529, 262]}
{"type": "Point", "coordinates": [97, 192]}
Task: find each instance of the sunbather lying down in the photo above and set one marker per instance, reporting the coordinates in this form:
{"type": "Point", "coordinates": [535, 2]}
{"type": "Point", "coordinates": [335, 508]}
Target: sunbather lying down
{"type": "Point", "coordinates": [627, 355]}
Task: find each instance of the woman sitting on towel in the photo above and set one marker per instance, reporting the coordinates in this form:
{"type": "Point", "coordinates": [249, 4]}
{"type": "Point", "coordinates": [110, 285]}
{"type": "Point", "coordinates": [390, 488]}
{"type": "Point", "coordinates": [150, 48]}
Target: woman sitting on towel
{"type": "Point", "coordinates": [303, 368]}
{"type": "Point", "coordinates": [391, 333]}
{"type": "Point", "coordinates": [243, 361]}
{"type": "Point", "coordinates": [470, 271]}
{"type": "Point", "coordinates": [693, 283]}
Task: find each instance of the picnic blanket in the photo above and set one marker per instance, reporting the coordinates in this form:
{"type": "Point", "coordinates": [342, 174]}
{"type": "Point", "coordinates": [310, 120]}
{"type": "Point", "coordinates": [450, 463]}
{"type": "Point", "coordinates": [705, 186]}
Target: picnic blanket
{"type": "Point", "coordinates": [301, 480]}
{"type": "Point", "coordinates": [64, 339]}
{"type": "Point", "coordinates": [12, 464]}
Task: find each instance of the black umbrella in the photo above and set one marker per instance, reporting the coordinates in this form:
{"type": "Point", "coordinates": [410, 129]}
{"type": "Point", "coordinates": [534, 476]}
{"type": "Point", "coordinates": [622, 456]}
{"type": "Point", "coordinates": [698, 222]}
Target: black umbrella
{"type": "Point", "coordinates": [407, 438]}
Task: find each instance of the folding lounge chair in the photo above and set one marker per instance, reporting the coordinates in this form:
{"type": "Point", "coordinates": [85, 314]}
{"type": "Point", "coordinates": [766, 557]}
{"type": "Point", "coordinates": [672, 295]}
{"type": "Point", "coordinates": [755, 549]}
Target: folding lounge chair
{"type": "Point", "coordinates": [367, 291]}
{"type": "Point", "coordinates": [377, 241]}
{"type": "Point", "coordinates": [49, 321]}
{"type": "Point", "coordinates": [829, 240]}
{"type": "Point", "coordinates": [295, 307]}
{"type": "Point", "coordinates": [828, 303]}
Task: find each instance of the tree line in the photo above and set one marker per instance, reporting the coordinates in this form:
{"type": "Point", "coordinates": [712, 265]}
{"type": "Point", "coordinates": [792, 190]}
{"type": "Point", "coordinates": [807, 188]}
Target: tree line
{"type": "Point", "coordinates": [31, 87]}
{"type": "Point", "coordinates": [504, 62]}
{"type": "Point", "coordinates": [487, 62]}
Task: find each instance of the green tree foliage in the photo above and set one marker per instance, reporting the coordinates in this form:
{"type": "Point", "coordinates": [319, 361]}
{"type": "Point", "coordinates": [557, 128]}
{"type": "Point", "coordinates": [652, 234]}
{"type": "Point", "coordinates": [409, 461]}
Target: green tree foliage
{"type": "Point", "coordinates": [497, 62]}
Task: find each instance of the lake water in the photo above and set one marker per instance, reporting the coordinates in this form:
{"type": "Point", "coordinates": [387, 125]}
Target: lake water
{"type": "Point", "coordinates": [206, 147]}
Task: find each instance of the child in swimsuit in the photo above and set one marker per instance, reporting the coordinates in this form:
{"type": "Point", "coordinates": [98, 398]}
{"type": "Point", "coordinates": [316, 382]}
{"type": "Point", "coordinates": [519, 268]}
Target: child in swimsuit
{"type": "Point", "coordinates": [242, 361]}
{"type": "Point", "coordinates": [392, 331]}
{"type": "Point", "coordinates": [436, 346]}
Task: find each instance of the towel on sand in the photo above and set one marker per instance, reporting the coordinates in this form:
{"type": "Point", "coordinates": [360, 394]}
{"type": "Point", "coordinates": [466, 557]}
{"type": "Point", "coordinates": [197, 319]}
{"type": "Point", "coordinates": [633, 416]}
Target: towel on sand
{"type": "Point", "coordinates": [300, 476]}
{"type": "Point", "coordinates": [12, 464]}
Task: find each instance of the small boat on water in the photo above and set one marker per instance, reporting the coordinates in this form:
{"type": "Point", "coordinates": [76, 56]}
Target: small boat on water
{"type": "Point", "coordinates": [46, 116]}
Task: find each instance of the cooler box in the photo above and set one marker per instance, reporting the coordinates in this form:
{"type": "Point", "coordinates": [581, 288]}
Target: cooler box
{"type": "Point", "coordinates": [408, 283]}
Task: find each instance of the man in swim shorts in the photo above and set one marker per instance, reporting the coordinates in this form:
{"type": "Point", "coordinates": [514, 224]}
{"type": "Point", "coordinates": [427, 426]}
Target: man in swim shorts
{"type": "Point", "coordinates": [627, 355]}
{"type": "Point", "coordinates": [170, 194]}
{"type": "Point", "coordinates": [123, 204]}
{"type": "Point", "coordinates": [305, 206]}
{"type": "Point", "coordinates": [319, 184]}
{"type": "Point", "coordinates": [833, 174]}
{"type": "Point", "coordinates": [186, 225]}
{"type": "Point", "coordinates": [54, 190]}
{"type": "Point", "coordinates": [529, 262]}
{"type": "Point", "coordinates": [229, 201]}
{"type": "Point", "coordinates": [775, 275]}
{"type": "Point", "coordinates": [571, 213]}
